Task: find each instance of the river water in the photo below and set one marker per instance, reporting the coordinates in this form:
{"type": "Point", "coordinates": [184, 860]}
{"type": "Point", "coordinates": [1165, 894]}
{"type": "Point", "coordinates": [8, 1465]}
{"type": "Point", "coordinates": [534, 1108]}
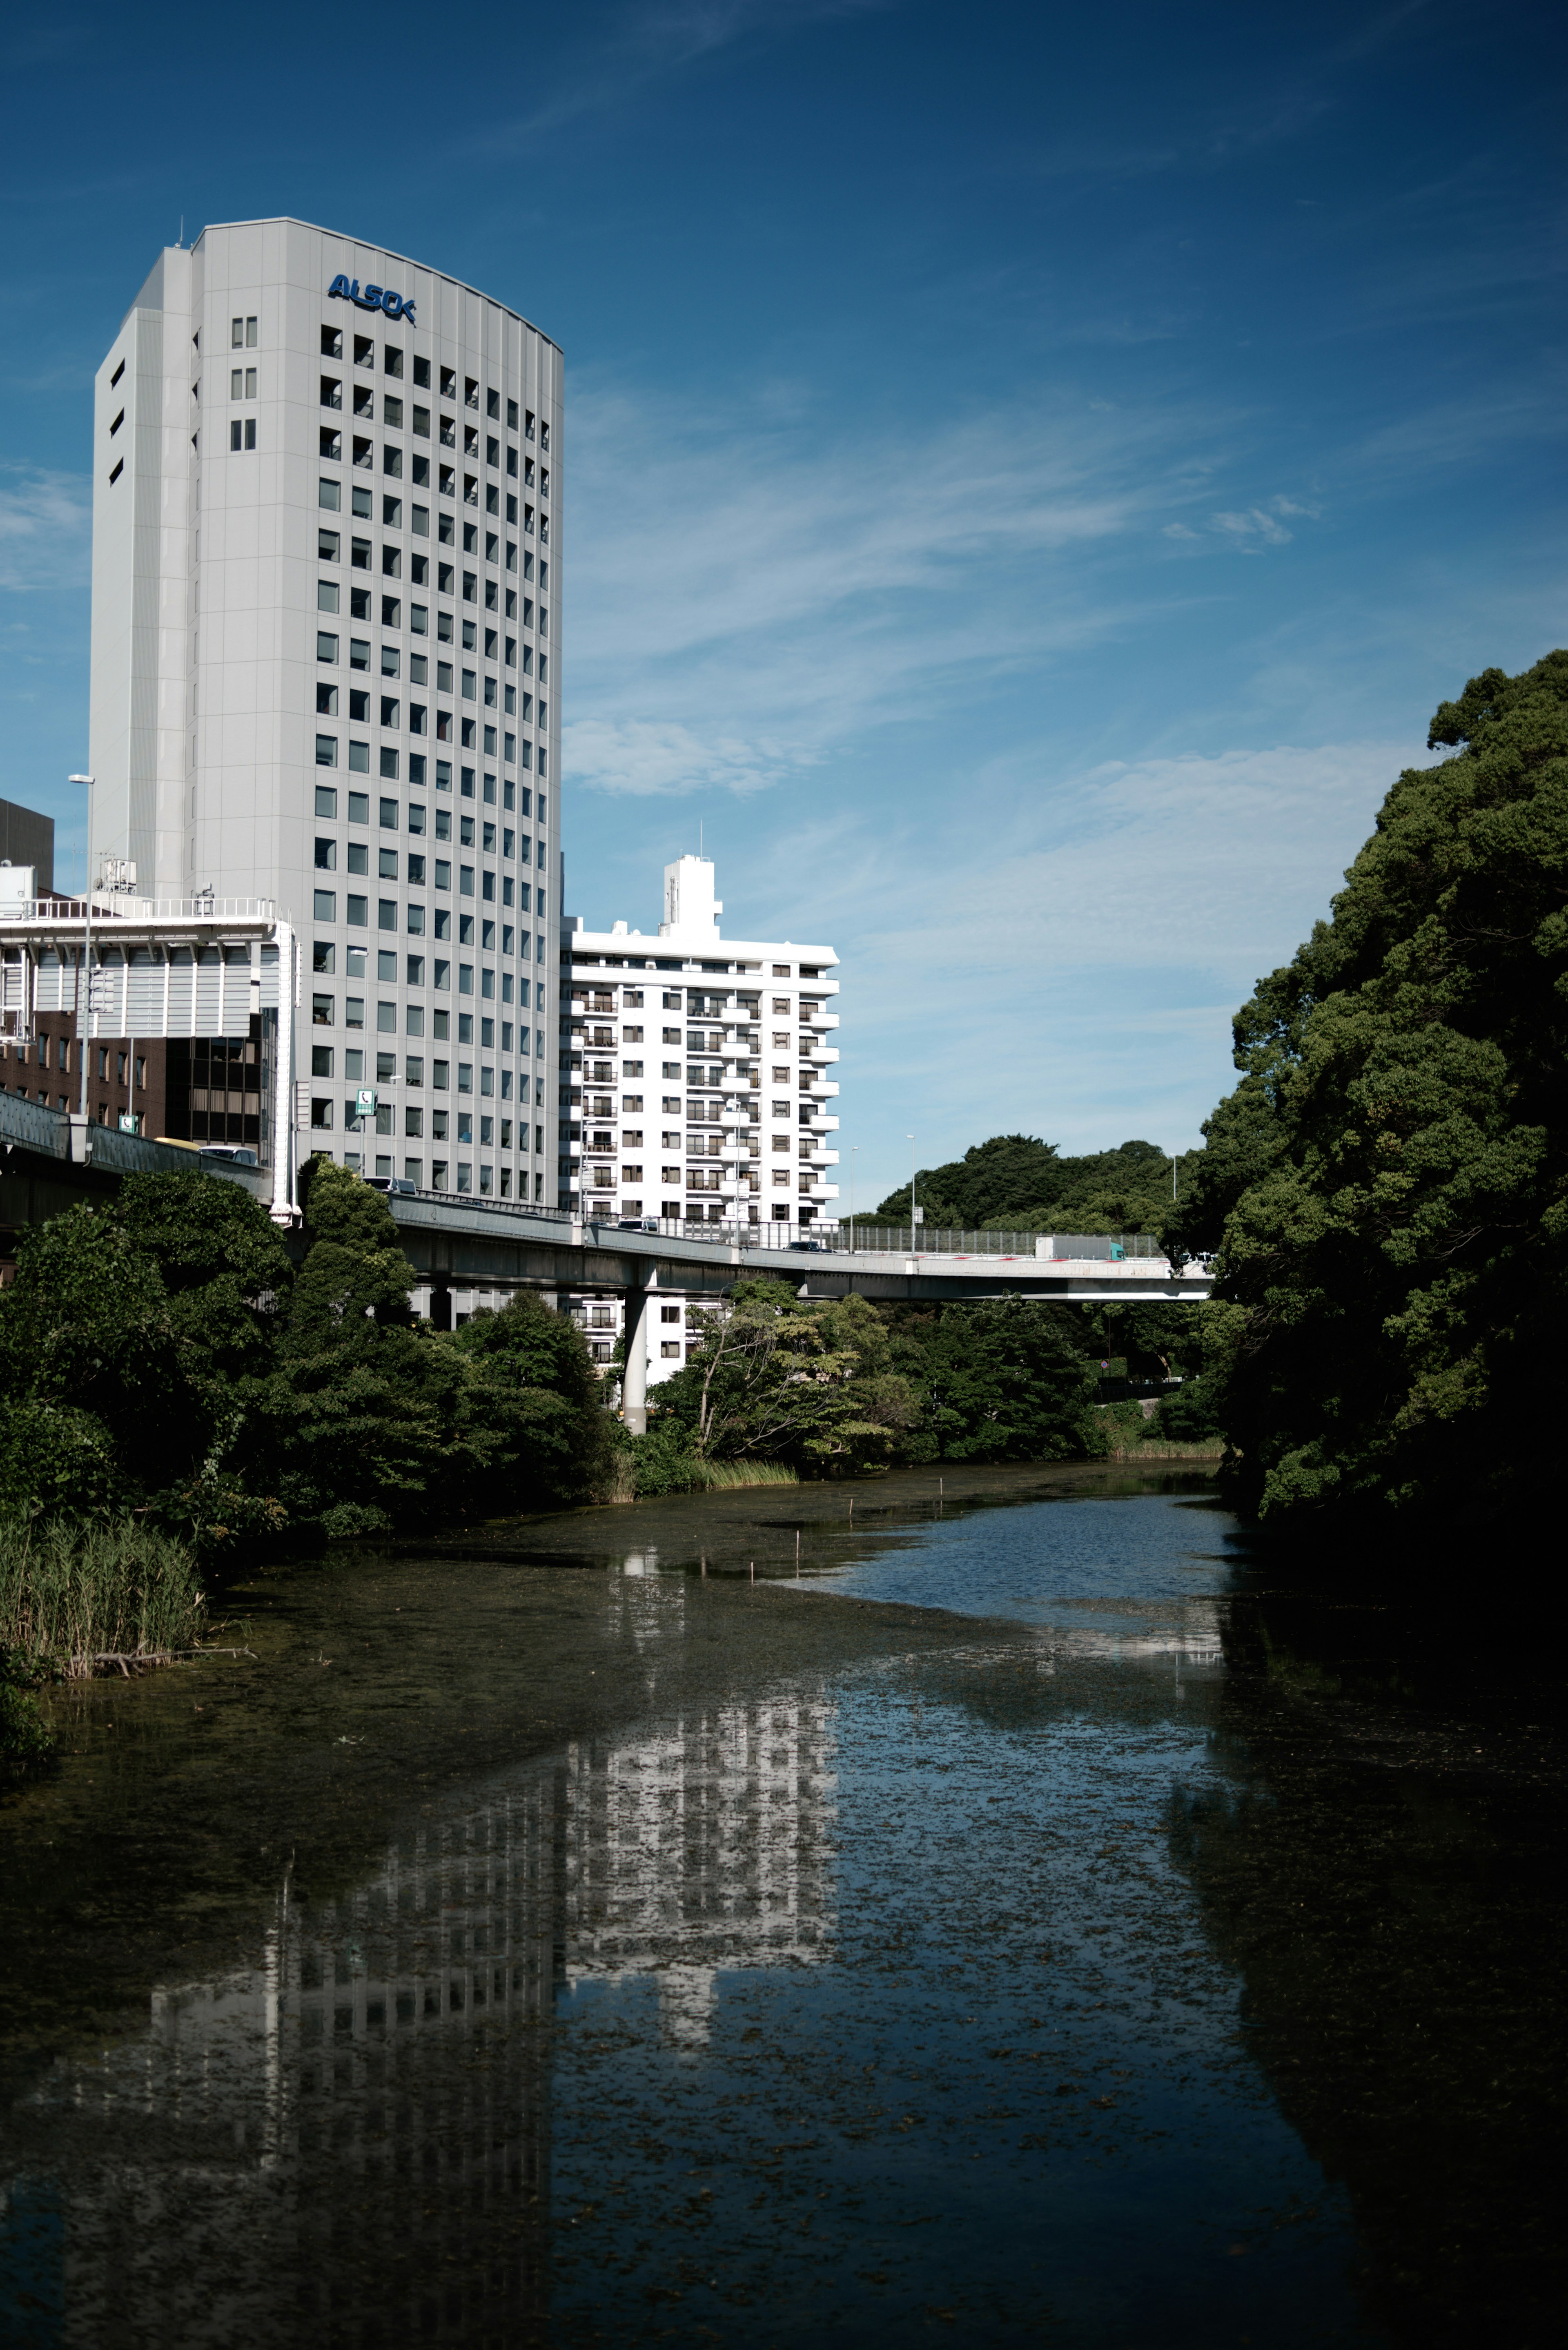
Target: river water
{"type": "Point", "coordinates": [1004, 1912]}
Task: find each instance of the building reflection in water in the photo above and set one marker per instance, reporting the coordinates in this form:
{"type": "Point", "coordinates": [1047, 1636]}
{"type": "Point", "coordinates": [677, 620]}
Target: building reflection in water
{"type": "Point", "coordinates": [348, 2141]}
{"type": "Point", "coordinates": [702, 1846]}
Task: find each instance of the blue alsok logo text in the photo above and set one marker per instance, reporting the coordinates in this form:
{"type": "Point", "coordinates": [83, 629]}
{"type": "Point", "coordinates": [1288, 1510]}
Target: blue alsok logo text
{"type": "Point", "coordinates": [374, 297]}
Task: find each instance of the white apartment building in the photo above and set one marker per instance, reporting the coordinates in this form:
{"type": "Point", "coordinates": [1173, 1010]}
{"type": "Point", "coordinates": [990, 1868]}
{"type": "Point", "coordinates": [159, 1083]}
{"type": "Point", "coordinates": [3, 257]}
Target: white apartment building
{"type": "Point", "coordinates": [696, 1083]}
{"type": "Point", "coordinates": [326, 557]}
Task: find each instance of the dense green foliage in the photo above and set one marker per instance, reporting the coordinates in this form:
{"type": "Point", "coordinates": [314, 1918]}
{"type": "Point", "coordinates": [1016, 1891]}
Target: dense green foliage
{"type": "Point", "coordinates": [844, 1387]}
{"type": "Point", "coordinates": [161, 1355]}
{"type": "Point", "coordinates": [1388, 1183]}
{"type": "Point", "coordinates": [1016, 1183]}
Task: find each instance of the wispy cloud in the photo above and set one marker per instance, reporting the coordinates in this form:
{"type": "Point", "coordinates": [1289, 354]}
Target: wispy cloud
{"type": "Point", "coordinates": [1256, 522]}
{"type": "Point", "coordinates": [46, 528]}
{"type": "Point", "coordinates": [645, 46]}
{"type": "Point", "coordinates": [1194, 863]}
{"type": "Point", "coordinates": [643, 758]}
{"type": "Point", "coordinates": [1067, 964]}
{"type": "Point", "coordinates": [807, 590]}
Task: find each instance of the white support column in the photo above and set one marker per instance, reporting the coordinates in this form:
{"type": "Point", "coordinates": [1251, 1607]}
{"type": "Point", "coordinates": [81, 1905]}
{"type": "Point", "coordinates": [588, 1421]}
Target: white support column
{"type": "Point", "coordinates": [634, 1382]}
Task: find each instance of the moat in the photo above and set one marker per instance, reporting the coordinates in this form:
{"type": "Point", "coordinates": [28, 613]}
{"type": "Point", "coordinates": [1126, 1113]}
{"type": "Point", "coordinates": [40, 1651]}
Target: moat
{"type": "Point", "coordinates": [1009, 1912]}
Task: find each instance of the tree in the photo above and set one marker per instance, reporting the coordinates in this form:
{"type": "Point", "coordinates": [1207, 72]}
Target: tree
{"type": "Point", "coordinates": [543, 1394]}
{"type": "Point", "coordinates": [370, 1416]}
{"type": "Point", "coordinates": [134, 1327]}
{"type": "Point", "coordinates": [1015, 1182]}
{"type": "Point", "coordinates": [1005, 1381]}
{"type": "Point", "coordinates": [773, 1379]}
{"type": "Point", "coordinates": [1388, 1183]}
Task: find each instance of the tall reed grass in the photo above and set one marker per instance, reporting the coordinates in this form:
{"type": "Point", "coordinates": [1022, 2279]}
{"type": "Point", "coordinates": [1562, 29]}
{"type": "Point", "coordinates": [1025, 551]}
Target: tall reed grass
{"type": "Point", "coordinates": [72, 1592]}
{"type": "Point", "coordinates": [727, 1476]}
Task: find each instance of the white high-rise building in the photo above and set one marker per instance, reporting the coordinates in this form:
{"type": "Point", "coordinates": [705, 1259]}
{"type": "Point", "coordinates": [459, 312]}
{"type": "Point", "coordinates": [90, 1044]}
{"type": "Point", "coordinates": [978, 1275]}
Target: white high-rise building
{"type": "Point", "coordinates": [326, 557]}
{"type": "Point", "coordinates": [696, 1083]}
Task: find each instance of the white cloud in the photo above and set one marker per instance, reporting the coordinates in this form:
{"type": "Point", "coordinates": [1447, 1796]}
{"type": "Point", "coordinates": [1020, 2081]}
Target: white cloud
{"type": "Point", "coordinates": [807, 590]}
{"type": "Point", "coordinates": [1253, 524]}
{"type": "Point", "coordinates": [46, 528]}
{"type": "Point", "coordinates": [643, 757]}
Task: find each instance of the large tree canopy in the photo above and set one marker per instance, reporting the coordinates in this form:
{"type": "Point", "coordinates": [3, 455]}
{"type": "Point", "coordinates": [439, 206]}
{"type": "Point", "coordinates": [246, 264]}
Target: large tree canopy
{"type": "Point", "coordinates": [1388, 1184]}
{"type": "Point", "coordinates": [157, 1352]}
{"type": "Point", "coordinates": [1015, 1182]}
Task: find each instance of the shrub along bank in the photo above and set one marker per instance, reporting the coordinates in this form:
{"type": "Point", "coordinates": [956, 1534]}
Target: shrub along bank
{"type": "Point", "coordinates": [172, 1392]}
{"type": "Point", "coordinates": [160, 1355]}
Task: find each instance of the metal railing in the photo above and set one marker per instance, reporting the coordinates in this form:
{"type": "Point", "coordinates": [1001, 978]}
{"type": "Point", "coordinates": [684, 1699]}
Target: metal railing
{"type": "Point", "coordinates": [125, 907]}
{"type": "Point", "coordinates": [925, 1240]}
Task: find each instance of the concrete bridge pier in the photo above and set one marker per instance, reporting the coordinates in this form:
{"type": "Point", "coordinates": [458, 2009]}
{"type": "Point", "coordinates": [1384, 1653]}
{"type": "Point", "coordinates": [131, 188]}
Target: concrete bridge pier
{"type": "Point", "coordinates": [634, 1383]}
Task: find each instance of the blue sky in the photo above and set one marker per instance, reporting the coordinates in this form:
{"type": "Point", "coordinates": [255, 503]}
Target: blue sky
{"type": "Point", "coordinates": [1030, 473]}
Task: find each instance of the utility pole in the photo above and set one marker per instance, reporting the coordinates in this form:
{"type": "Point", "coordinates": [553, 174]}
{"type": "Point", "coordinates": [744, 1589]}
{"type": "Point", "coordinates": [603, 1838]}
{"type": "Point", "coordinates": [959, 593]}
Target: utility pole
{"type": "Point", "coordinates": [910, 1140]}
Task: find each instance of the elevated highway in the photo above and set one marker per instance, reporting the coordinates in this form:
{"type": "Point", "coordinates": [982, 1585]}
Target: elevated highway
{"type": "Point", "coordinates": [48, 1160]}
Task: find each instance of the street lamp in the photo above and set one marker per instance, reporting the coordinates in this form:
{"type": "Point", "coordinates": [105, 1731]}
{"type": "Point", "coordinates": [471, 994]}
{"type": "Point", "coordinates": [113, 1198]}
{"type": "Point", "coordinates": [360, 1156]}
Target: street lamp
{"type": "Point", "coordinates": [910, 1140]}
{"type": "Point", "coordinates": [82, 980]}
{"type": "Point", "coordinates": [853, 1148]}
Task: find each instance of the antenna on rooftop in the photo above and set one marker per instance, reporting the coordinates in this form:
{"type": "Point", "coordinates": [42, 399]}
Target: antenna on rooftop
{"type": "Point", "coordinates": [179, 240]}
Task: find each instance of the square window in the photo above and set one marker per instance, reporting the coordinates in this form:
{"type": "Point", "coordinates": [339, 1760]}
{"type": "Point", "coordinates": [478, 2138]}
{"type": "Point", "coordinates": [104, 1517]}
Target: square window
{"type": "Point", "coordinates": [326, 906]}
{"type": "Point", "coordinates": [327, 750]}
